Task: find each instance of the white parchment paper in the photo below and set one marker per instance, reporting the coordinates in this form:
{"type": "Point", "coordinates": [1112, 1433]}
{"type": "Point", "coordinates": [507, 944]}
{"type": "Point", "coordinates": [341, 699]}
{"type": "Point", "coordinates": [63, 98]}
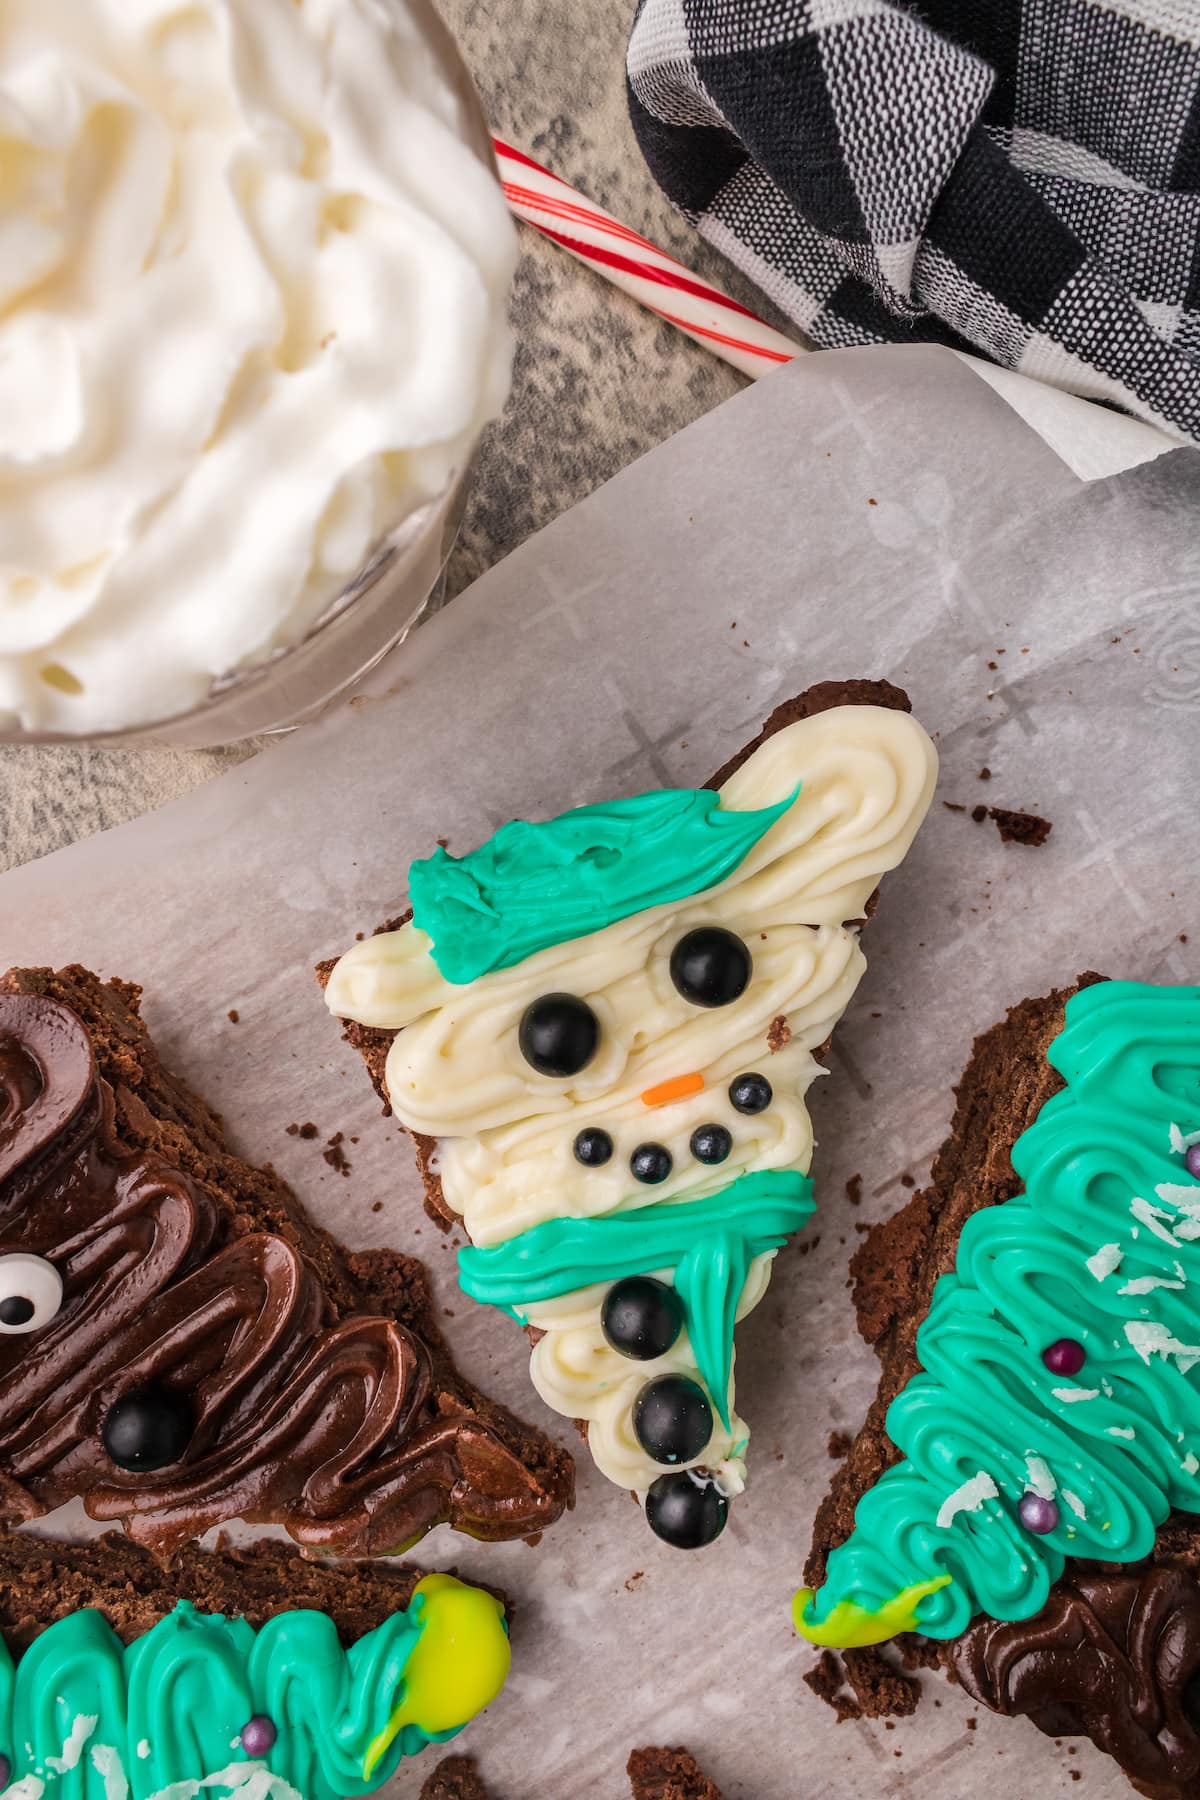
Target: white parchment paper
{"type": "Point", "coordinates": [857, 514]}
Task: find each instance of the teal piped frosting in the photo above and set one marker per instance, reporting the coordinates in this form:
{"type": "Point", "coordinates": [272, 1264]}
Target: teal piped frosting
{"type": "Point", "coordinates": [709, 1243]}
{"type": "Point", "coordinates": [1102, 1247]}
{"type": "Point", "coordinates": [88, 1718]}
{"type": "Point", "coordinates": [532, 885]}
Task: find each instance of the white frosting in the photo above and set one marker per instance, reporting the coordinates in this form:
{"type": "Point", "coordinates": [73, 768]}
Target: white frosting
{"type": "Point", "coordinates": [455, 1071]}
{"type": "Point", "coordinates": [252, 313]}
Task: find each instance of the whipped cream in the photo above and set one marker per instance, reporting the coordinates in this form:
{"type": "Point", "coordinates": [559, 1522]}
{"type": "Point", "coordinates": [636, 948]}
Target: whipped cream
{"type": "Point", "coordinates": [252, 314]}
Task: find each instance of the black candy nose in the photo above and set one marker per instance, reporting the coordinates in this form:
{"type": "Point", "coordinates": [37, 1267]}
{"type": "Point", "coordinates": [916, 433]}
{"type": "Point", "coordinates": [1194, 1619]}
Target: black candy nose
{"type": "Point", "coordinates": [148, 1428]}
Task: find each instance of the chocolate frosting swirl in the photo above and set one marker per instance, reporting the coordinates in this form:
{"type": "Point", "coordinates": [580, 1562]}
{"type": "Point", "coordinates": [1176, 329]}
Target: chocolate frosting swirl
{"type": "Point", "coordinates": [1114, 1656]}
{"type": "Point", "coordinates": [335, 1427]}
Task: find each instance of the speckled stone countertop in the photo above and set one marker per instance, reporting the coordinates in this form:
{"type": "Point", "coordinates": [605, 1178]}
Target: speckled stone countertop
{"type": "Point", "coordinates": [597, 382]}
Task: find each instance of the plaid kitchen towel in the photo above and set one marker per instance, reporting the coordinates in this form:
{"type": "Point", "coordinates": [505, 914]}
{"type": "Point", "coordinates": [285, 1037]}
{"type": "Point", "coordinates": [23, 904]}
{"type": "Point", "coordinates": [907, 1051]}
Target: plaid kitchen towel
{"type": "Point", "coordinates": [1019, 178]}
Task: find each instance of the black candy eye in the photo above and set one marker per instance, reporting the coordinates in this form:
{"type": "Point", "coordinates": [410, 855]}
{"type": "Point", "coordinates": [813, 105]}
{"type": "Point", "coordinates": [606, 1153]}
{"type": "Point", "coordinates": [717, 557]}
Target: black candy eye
{"type": "Point", "coordinates": [641, 1317]}
{"type": "Point", "coordinates": [30, 1293]}
{"type": "Point", "coordinates": [593, 1147]}
{"type": "Point", "coordinates": [750, 1093]}
{"type": "Point", "coordinates": [558, 1034]}
{"type": "Point", "coordinates": [672, 1419]}
{"type": "Point", "coordinates": [650, 1163]}
{"type": "Point", "coordinates": [710, 966]}
{"type": "Point", "coordinates": [711, 1143]}
{"type": "Point", "coordinates": [149, 1428]}
{"type": "Point", "coordinates": [686, 1509]}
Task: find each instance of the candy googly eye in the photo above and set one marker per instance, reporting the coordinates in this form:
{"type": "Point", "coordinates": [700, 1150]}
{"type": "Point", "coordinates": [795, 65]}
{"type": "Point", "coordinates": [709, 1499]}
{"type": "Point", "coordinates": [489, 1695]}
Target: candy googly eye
{"type": "Point", "coordinates": [31, 1292]}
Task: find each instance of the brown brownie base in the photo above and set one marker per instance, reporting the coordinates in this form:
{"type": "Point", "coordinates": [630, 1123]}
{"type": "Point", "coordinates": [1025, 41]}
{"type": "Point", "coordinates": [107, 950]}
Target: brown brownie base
{"type": "Point", "coordinates": [43, 1579]}
{"type": "Point", "coordinates": [155, 1111]}
{"type": "Point", "coordinates": [660, 1774]}
{"type": "Point", "coordinates": [373, 1044]}
{"type": "Point", "coordinates": [456, 1778]}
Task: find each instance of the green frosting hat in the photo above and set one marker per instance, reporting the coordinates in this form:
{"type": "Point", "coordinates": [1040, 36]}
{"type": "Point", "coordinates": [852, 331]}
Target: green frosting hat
{"type": "Point", "coordinates": [532, 885]}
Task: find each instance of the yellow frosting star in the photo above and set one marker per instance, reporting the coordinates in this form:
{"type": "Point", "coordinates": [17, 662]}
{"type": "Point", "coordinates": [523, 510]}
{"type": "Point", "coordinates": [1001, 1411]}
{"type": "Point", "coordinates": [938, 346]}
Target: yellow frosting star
{"type": "Point", "coordinates": [850, 1626]}
{"type": "Point", "coordinates": [458, 1665]}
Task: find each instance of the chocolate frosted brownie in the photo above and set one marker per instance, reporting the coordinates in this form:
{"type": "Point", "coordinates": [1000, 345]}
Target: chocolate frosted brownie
{"type": "Point", "coordinates": [622, 1006]}
{"type": "Point", "coordinates": [181, 1345]}
{"type": "Point", "coordinates": [1029, 1502]}
{"type": "Point", "coordinates": [659, 1774]}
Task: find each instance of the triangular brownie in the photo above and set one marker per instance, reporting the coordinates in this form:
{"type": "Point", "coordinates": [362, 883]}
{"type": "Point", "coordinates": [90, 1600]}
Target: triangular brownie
{"type": "Point", "coordinates": [600, 1031]}
{"type": "Point", "coordinates": [1025, 1492]}
{"type": "Point", "coordinates": [180, 1345]}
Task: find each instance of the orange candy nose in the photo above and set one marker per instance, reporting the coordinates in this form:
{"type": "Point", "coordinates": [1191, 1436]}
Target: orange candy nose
{"type": "Point", "coordinates": [676, 1089]}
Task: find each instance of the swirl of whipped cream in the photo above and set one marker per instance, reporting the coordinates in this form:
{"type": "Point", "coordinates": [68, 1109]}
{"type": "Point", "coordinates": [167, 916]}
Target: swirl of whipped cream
{"type": "Point", "coordinates": [252, 314]}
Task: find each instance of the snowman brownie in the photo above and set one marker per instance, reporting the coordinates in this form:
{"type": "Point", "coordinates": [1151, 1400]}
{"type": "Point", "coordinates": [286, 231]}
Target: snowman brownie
{"type": "Point", "coordinates": [604, 1032]}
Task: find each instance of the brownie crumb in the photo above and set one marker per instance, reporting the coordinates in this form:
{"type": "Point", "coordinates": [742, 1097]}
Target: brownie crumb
{"type": "Point", "coordinates": [972, 1724]}
{"type": "Point", "coordinates": [953, 806]}
{"type": "Point", "coordinates": [335, 1156]}
{"type": "Point", "coordinates": [1020, 827]}
{"type": "Point", "coordinates": [661, 1774]}
{"type": "Point", "coordinates": [455, 1778]}
{"type": "Point", "coordinates": [985, 774]}
{"type": "Point", "coordinates": [854, 1190]}
{"type": "Point", "coordinates": [779, 1033]}
{"type": "Point", "coordinates": [917, 1652]}
{"type": "Point", "coordinates": [979, 814]}
{"type": "Point", "coordinates": [632, 1581]}
{"type": "Point", "coordinates": [838, 1444]}
{"type": "Point", "coordinates": [308, 1130]}
{"type": "Point", "coordinates": [377, 1206]}
{"type": "Point", "coordinates": [907, 1180]}
{"type": "Point", "coordinates": [826, 1682]}
{"type": "Point", "coordinates": [882, 1690]}
{"type": "Point", "coordinates": [233, 1015]}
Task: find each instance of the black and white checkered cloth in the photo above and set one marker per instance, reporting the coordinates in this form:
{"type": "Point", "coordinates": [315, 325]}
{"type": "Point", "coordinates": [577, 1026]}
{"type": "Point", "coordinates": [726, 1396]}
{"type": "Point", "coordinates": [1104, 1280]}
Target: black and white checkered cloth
{"type": "Point", "coordinates": [1019, 178]}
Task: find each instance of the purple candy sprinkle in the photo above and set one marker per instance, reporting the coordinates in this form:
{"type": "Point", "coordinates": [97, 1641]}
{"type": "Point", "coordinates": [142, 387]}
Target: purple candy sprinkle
{"type": "Point", "coordinates": [1191, 1161]}
{"type": "Point", "coordinates": [1065, 1357]}
{"type": "Point", "coordinates": [258, 1735]}
{"type": "Point", "coordinates": [1037, 1514]}
{"type": "Point", "coordinates": [5, 1771]}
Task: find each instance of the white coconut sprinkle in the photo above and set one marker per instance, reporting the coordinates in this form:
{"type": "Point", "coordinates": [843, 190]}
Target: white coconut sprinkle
{"type": "Point", "coordinates": [143, 1748]}
{"type": "Point", "coordinates": [72, 1750]}
{"type": "Point", "coordinates": [967, 1498]}
{"type": "Point", "coordinates": [1146, 1284]}
{"type": "Point", "coordinates": [1122, 1431]}
{"type": "Point", "coordinates": [1190, 1463]}
{"type": "Point", "coordinates": [1106, 1260]}
{"type": "Point", "coordinates": [1184, 1195]}
{"type": "Point", "coordinates": [109, 1767]}
{"type": "Point", "coordinates": [1182, 1141]}
{"type": "Point", "coordinates": [1040, 1477]}
{"type": "Point", "coordinates": [1152, 1216]}
{"type": "Point", "coordinates": [1075, 1503]}
{"type": "Point", "coordinates": [1069, 1393]}
{"type": "Point", "coordinates": [1151, 1338]}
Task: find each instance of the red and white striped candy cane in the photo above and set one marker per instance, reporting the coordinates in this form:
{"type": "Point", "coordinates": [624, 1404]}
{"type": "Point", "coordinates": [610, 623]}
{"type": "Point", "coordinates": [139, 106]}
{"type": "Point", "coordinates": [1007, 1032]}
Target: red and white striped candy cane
{"type": "Point", "coordinates": [634, 264]}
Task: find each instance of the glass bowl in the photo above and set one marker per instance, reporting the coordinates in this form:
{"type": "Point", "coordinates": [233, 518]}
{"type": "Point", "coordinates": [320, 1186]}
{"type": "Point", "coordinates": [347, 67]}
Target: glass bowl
{"type": "Point", "coordinates": [374, 611]}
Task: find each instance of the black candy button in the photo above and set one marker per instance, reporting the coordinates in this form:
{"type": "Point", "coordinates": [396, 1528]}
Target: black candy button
{"type": "Point", "coordinates": [147, 1429]}
{"type": "Point", "coordinates": [650, 1163]}
{"type": "Point", "coordinates": [711, 966]}
{"type": "Point", "coordinates": [672, 1419]}
{"type": "Point", "coordinates": [686, 1509]}
{"type": "Point", "coordinates": [750, 1093]}
{"type": "Point", "coordinates": [593, 1147]}
{"type": "Point", "coordinates": [642, 1317]}
{"type": "Point", "coordinates": [711, 1143]}
{"type": "Point", "coordinates": [558, 1034]}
